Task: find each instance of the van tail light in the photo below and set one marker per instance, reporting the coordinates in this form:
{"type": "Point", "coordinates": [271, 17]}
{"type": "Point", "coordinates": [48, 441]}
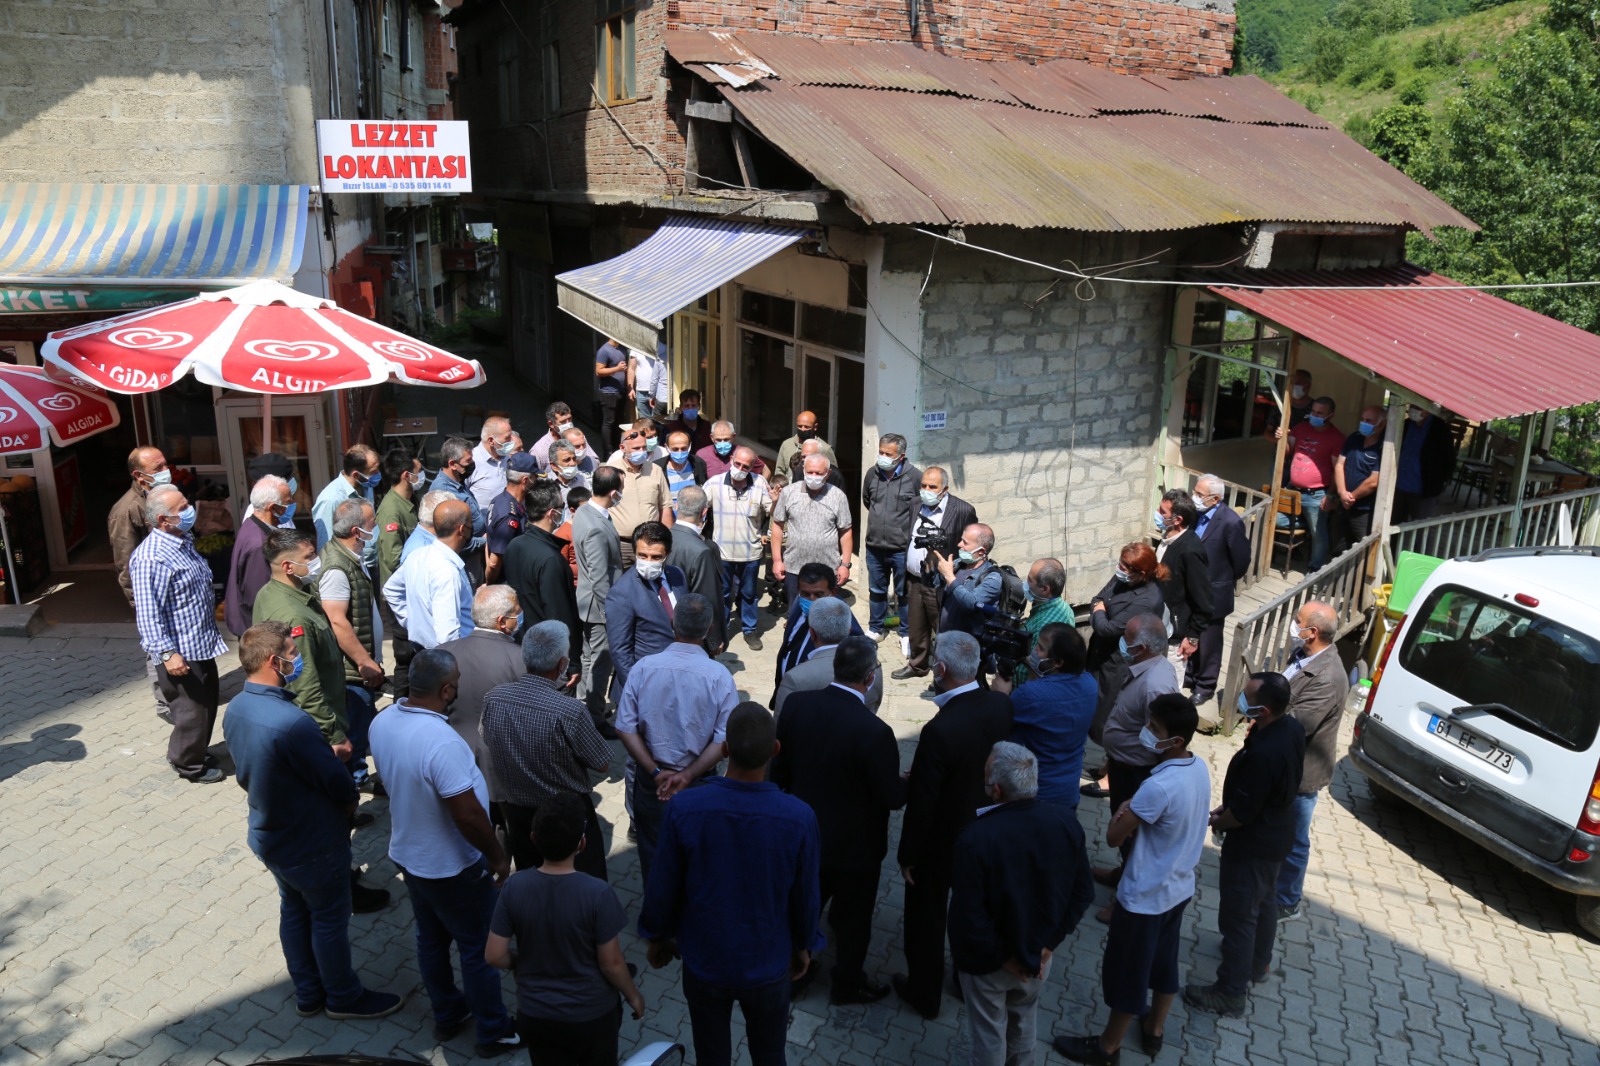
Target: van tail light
{"type": "Point", "coordinates": [1589, 822]}
{"type": "Point", "coordinates": [1377, 675]}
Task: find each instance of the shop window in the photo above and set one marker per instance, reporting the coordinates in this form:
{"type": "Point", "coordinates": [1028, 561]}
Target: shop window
{"type": "Point", "coordinates": [388, 27]}
{"type": "Point", "coordinates": [771, 312]}
{"type": "Point", "coordinates": [614, 50]}
{"type": "Point", "coordinates": [845, 330]}
{"type": "Point", "coordinates": [858, 286]}
{"type": "Point", "coordinates": [1225, 399]}
{"type": "Point", "coordinates": [766, 410]}
{"type": "Point", "coordinates": [184, 424]}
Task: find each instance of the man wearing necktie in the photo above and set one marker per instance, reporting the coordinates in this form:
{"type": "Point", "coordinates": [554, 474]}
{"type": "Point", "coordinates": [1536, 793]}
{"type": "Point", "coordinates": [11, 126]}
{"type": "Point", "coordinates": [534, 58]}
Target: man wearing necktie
{"type": "Point", "coordinates": [641, 605]}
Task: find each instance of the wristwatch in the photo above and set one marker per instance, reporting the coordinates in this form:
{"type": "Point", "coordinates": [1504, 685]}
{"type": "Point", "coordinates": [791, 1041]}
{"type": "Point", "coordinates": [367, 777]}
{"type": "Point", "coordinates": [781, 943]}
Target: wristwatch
{"type": "Point", "coordinates": [167, 655]}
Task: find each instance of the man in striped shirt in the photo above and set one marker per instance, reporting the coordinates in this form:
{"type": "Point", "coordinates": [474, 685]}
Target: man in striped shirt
{"type": "Point", "coordinates": [740, 503]}
{"type": "Point", "coordinates": [175, 608]}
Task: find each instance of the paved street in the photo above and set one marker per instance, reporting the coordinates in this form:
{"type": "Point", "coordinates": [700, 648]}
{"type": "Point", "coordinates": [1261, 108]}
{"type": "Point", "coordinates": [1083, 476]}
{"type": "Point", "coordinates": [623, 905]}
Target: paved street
{"type": "Point", "coordinates": [137, 927]}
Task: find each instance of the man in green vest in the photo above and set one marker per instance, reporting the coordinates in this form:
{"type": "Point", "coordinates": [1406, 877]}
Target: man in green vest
{"type": "Point", "coordinates": [345, 588]}
{"type": "Point", "coordinates": [397, 517]}
{"type": "Point", "coordinates": [317, 682]}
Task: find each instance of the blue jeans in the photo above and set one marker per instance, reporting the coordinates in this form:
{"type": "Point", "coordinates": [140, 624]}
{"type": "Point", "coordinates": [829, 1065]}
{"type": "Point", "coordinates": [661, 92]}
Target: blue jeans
{"type": "Point", "coordinates": [458, 909]}
{"type": "Point", "coordinates": [1292, 875]}
{"type": "Point", "coordinates": [742, 585]}
{"type": "Point", "coordinates": [766, 1020]}
{"type": "Point", "coordinates": [358, 710]}
{"type": "Point", "coordinates": [881, 567]}
{"type": "Point", "coordinates": [314, 929]}
{"type": "Point", "coordinates": [1316, 520]}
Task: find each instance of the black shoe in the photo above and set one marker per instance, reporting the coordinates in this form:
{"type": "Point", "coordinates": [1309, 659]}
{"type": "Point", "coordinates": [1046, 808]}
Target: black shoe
{"type": "Point", "coordinates": [866, 992]}
{"type": "Point", "coordinates": [370, 1005]}
{"type": "Point", "coordinates": [210, 777]}
{"type": "Point", "coordinates": [902, 985]}
{"type": "Point", "coordinates": [1086, 1049]}
{"type": "Point", "coordinates": [504, 1046]}
{"type": "Point", "coordinates": [907, 672]}
{"type": "Point", "coordinates": [1150, 1043]}
{"type": "Point", "coordinates": [373, 786]}
{"type": "Point", "coordinates": [1213, 1000]}
{"type": "Point", "coordinates": [443, 1031]}
{"type": "Point", "coordinates": [361, 819]}
{"type": "Point", "coordinates": [752, 641]}
{"type": "Point", "coordinates": [1093, 790]}
{"type": "Point", "coordinates": [310, 1010]}
{"type": "Point", "coordinates": [633, 834]}
{"type": "Point", "coordinates": [364, 900]}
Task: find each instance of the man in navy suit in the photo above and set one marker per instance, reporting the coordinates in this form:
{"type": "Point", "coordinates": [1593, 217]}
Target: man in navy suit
{"type": "Point", "coordinates": [816, 581]}
{"type": "Point", "coordinates": [640, 605]}
{"type": "Point", "coordinates": [1221, 530]}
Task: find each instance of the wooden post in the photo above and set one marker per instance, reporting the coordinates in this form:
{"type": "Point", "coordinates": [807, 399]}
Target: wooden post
{"type": "Point", "coordinates": [1521, 483]}
{"type": "Point", "coordinates": [1169, 372]}
{"type": "Point", "coordinates": [1280, 451]}
{"type": "Point", "coordinates": [1394, 424]}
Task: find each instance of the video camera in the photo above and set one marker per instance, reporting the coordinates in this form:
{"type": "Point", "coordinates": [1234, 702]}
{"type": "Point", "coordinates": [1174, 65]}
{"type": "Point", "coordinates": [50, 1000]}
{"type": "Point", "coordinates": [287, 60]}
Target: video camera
{"type": "Point", "coordinates": [928, 536]}
{"type": "Point", "coordinates": [1004, 643]}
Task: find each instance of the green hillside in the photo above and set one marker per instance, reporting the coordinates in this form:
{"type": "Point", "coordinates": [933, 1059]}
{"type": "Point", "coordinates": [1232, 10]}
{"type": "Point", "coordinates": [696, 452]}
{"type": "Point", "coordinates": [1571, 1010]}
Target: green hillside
{"type": "Point", "coordinates": [1347, 77]}
{"type": "Point", "coordinates": [1275, 34]}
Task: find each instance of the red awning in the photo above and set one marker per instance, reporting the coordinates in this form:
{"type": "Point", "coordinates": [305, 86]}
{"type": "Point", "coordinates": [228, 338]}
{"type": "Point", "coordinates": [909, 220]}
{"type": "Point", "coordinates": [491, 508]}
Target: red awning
{"type": "Point", "coordinates": [1472, 353]}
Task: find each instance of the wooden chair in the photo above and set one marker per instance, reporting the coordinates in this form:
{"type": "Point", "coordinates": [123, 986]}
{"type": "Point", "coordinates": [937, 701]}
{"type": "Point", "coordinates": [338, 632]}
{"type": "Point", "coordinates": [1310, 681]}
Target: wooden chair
{"type": "Point", "coordinates": [1290, 532]}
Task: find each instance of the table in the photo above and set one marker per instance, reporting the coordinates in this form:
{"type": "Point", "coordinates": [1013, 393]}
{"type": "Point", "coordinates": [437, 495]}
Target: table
{"type": "Point", "coordinates": [411, 432]}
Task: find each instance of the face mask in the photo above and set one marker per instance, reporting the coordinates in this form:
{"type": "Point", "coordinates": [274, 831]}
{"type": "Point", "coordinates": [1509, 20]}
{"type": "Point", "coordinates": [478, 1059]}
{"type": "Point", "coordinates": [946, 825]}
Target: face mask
{"type": "Point", "coordinates": [1151, 741]}
{"type": "Point", "coordinates": [724, 448]}
{"type": "Point", "coordinates": [1317, 421]}
{"type": "Point", "coordinates": [1160, 521]}
{"type": "Point", "coordinates": [365, 535]}
{"type": "Point", "coordinates": [804, 435]}
{"type": "Point", "coordinates": [1246, 711]}
{"type": "Point", "coordinates": [651, 443]}
{"type": "Point", "coordinates": [930, 498]}
{"type": "Point", "coordinates": [616, 499]}
{"type": "Point", "coordinates": [679, 457]}
{"type": "Point", "coordinates": [1124, 648]}
{"type": "Point", "coordinates": [566, 473]}
{"type": "Point", "coordinates": [1295, 639]}
{"type": "Point", "coordinates": [649, 569]}
{"type": "Point", "coordinates": [288, 513]}
{"type": "Point", "coordinates": [296, 665]}
{"type": "Point", "coordinates": [691, 413]}
{"type": "Point", "coordinates": [419, 481]}
{"type": "Point", "coordinates": [186, 519]}
{"type": "Point", "coordinates": [518, 627]}
{"type": "Point", "coordinates": [735, 474]}
{"type": "Point", "coordinates": [1200, 504]}
{"type": "Point", "coordinates": [1122, 575]}
{"type": "Point", "coordinates": [369, 482]}
{"type": "Point", "coordinates": [561, 428]}
{"type": "Point", "coordinates": [466, 471]}
{"type": "Point", "coordinates": [805, 608]}
{"type": "Point", "coordinates": [1027, 593]}
{"type": "Point", "coordinates": [966, 556]}
{"type": "Point", "coordinates": [294, 486]}
{"type": "Point", "coordinates": [638, 458]}
{"type": "Point", "coordinates": [313, 568]}
{"type": "Point", "coordinates": [161, 477]}
{"type": "Point", "coordinates": [1299, 392]}
{"type": "Point", "coordinates": [1366, 429]}
{"type": "Point", "coordinates": [1417, 416]}
{"type": "Point", "coordinates": [815, 481]}
{"type": "Point", "coordinates": [1038, 665]}
{"type": "Point", "coordinates": [886, 462]}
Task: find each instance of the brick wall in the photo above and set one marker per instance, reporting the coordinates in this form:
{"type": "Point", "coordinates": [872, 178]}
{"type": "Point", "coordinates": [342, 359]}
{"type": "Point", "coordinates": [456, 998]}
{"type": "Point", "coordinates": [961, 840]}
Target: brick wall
{"type": "Point", "coordinates": [1150, 36]}
{"type": "Point", "coordinates": [1052, 404]}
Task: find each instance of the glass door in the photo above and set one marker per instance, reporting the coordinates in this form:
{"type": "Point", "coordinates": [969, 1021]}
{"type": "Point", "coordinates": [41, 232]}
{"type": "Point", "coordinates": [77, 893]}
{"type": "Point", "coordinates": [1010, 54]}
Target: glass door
{"type": "Point", "coordinates": [832, 387]}
{"type": "Point", "coordinates": [298, 434]}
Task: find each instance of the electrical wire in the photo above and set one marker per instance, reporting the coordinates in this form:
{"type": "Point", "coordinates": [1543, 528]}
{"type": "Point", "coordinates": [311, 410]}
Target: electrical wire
{"type": "Point", "coordinates": [1235, 283]}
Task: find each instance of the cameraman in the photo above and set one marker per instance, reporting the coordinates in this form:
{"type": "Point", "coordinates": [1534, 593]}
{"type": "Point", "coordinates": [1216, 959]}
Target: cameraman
{"type": "Point", "coordinates": [939, 520]}
{"type": "Point", "coordinates": [972, 583]}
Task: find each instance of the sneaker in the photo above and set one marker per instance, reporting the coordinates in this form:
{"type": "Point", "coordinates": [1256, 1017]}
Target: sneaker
{"type": "Point", "coordinates": [504, 1046]}
{"type": "Point", "coordinates": [368, 1005]}
{"type": "Point", "coordinates": [752, 641]}
{"type": "Point", "coordinates": [1289, 914]}
{"type": "Point", "coordinates": [877, 635]}
{"type": "Point", "coordinates": [905, 647]}
{"type": "Point", "coordinates": [1212, 999]}
{"type": "Point", "coordinates": [210, 777]}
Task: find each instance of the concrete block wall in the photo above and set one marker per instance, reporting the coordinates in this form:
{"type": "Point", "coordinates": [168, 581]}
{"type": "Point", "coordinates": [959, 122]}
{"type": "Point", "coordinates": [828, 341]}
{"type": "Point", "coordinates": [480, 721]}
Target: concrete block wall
{"type": "Point", "coordinates": [153, 91]}
{"type": "Point", "coordinates": [1051, 401]}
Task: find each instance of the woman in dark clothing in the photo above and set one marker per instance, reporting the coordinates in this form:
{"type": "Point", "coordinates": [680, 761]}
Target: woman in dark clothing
{"type": "Point", "coordinates": [1132, 590]}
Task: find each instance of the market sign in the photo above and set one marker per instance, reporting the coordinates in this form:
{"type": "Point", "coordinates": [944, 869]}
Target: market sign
{"type": "Point", "coordinates": [20, 301]}
{"type": "Point", "coordinates": [393, 156]}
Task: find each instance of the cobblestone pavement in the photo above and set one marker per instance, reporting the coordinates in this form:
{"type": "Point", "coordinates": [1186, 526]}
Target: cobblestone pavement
{"type": "Point", "coordinates": [137, 927]}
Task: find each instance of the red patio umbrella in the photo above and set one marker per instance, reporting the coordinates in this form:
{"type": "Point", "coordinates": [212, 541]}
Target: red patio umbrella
{"type": "Point", "coordinates": [36, 411]}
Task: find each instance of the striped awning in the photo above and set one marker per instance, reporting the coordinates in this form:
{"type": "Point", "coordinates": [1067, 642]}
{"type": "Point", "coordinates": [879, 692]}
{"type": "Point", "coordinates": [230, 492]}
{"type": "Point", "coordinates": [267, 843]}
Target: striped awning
{"type": "Point", "coordinates": [629, 297]}
{"type": "Point", "coordinates": [207, 236]}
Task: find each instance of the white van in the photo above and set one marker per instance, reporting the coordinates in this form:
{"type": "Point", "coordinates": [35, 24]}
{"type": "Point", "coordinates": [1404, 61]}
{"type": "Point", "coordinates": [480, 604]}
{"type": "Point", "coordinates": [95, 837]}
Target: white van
{"type": "Point", "coordinates": [1485, 711]}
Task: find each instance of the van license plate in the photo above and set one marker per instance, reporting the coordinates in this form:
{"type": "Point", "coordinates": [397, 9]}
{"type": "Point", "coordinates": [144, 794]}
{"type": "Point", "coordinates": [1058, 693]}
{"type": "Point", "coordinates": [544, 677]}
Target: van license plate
{"type": "Point", "coordinates": [1474, 743]}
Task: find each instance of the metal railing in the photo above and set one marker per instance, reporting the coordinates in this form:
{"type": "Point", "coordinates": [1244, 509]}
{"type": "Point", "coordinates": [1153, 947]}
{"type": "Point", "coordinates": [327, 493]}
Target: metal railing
{"type": "Point", "coordinates": [1471, 532]}
{"type": "Point", "coordinates": [1255, 508]}
{"type": "Point", "coordinates": [1261, 638]}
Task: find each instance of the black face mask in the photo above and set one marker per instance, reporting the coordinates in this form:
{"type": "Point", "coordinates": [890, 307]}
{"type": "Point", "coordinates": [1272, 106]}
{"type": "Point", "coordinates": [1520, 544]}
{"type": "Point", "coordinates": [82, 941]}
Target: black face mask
{"type": "Point", "coordinates": [804, 434]}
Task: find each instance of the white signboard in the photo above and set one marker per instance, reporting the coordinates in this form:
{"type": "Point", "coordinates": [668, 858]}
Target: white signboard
{"type": "Point", "coordinates": [933, 420]}
{"type": "Point", "coordinates": [427, 157]}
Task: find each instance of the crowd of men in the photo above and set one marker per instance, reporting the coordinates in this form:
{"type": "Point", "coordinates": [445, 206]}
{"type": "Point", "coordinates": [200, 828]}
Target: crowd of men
{"type": "Point", "coordinates": [541, 603]}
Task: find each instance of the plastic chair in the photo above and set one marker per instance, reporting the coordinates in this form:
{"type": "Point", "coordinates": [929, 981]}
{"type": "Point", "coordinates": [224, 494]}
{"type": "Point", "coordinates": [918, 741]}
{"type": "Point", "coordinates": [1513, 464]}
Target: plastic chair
{"type": "Point", "coordinates": [1291, 532]}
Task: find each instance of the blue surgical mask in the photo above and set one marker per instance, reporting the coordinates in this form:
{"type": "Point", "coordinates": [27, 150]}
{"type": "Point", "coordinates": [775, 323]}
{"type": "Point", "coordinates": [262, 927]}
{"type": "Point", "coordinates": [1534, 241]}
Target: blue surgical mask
{"type": "Point", "coordinates": [299, 663]}
{"type": "Point", "coordinates": [566, 473]}
{"type": "Point", "coordinates": [422, 481]}
{"type": "Point", "coordinates": [1123, 649]}
{"type": "Point", "coordinates": [652, 442]}
{"type": "Point", "coordinates": [805, 608]}
{"type": "Point", "coordinates": [1246, 710]}
{"type": "Point", "coordinates": [1160, 520]}
{"type": "Point", "coordinates": [679, 456]}
{"type": "Point", "coordinates": [636, 458]}
{"type": "Point", "coordinates": [886, 462]}
{"type": "Point", "coordinates": [691, 413]}
{"type": "Point", "coordinates": [288, 512]}
{"type": "Point", "coordinates": [929, 498]}
{"type": "Point", "coordinates": [519, 622]}
{"type": "Point", "coordinates": [1317, 421]}
{"type": "Point", "coordinates": [294, 486]}
{"type": "Point", "coordinates": [724, 448]}
{"type": "Point", "coordinates": [1151, 741]}
{"type": "Point", "coordinates": [374, 481]}
{"type": "Point", "coordinates": [966, 556]}
{"type": "Point", "coordinates": [1027, 593]}
{"type": "Point", "coordinates": [1366, 429]}
{"type": "Point", "coordinates": [186, 518]}
{"type": "Point", "coordinates": [1121, 575]}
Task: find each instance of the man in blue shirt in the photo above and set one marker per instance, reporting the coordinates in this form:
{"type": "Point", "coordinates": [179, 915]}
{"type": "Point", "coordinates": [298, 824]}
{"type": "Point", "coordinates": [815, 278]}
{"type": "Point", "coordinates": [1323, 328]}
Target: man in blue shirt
{"type": "Point", "coordinates": [736, 846]}
{"type": "Point", "coordinates": [1355, 473]}
{"type": "Point", "coordinates": [301, 800]}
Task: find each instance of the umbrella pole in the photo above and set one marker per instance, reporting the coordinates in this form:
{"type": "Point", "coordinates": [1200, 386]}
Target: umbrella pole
{"type": "Point", "coordinates": [9, 566]}
{"type": "Point", "coordinates": [266, 422]}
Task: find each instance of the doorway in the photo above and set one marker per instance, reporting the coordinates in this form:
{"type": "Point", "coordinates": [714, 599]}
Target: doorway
{"type": "Point", "coordinates": [298, 434]}
{"type": "Point", "coordinates": [832, 386]}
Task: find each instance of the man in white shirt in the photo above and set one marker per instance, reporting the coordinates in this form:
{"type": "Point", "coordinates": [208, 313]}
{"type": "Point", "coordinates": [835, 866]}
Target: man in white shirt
{"type": "Point", "coordinates": [740, 501]}
{"type": "Point", "coordinates": [430, 593]}
{"type": "Point", "coordinates": [496, 442]}
{"type": "Point", "coordinates": [441, 839]}
{"type": "Point", "coordinates": [558, 417]}
{"type": "Point", "coordinates": [1167, 820]}
{"type": "Point", "coordinates": [650, 381]}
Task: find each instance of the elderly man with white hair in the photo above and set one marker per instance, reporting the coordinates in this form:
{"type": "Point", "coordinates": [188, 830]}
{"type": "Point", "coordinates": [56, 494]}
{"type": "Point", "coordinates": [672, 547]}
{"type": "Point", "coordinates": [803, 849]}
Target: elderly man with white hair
{"type": "Point", "coordinates": [488, 656]}
{"type": "Point", "coordinates": [1227, 546]}
{"type": "Point", "coordinates": [811, 524]}
{"type": "Point", "coordinates": [247, 568]}
{"type": "Point", "coordinates": [176, 612]}
{"type": "Point", "coordinates": [829, 619]}
{"type": "Point", "coordinates": [1020, 884]}
{"type": "Point", "coordinates": [544, 743]}
{"type": "Point", "coordinates": [564, 466]}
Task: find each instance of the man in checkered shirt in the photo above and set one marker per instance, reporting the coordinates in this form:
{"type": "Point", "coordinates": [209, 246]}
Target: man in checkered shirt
{"type": "Point", "coordinates": [175, 608]}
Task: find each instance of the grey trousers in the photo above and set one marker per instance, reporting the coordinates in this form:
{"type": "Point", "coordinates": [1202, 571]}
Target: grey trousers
{"type": "Point", "coordinates": [595, 680]}
{"type": "Point", "coordinates": [155, 686]}
{"type": "Point", "coordinates": [192, 699]}
{"type": "Point", "coordinates": [1002, 1016]}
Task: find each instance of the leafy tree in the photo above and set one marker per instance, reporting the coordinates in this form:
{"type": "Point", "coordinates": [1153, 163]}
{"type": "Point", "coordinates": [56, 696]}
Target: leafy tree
{"type": "Point", "coordinates": [1398, 132]}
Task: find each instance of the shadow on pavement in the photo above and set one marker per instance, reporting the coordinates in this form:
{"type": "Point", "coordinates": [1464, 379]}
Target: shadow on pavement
{"type": "Point", "coordinates": [53, 743]}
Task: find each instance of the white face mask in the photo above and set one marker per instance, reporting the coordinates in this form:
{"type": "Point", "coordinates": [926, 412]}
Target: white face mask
{"type": "Point", "coordinates": [1295, 639]}
{"type": "Point", "coordinates": [815, 481]}
{"type": "Point", "coordinates": [313, 568]}
{"type": "Point", "coordinates": [1299, 392]}
{"type": "Point", "coordinates": [649, 569]}
{"type": "Point", "coordinates": [735, 474]}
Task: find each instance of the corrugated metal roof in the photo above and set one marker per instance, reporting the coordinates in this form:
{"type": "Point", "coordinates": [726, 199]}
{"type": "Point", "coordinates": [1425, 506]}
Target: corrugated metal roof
{"type": "Point", "coordinates": [1466, 350]}
{"type": "Point", "coordinates": [912, 136]}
